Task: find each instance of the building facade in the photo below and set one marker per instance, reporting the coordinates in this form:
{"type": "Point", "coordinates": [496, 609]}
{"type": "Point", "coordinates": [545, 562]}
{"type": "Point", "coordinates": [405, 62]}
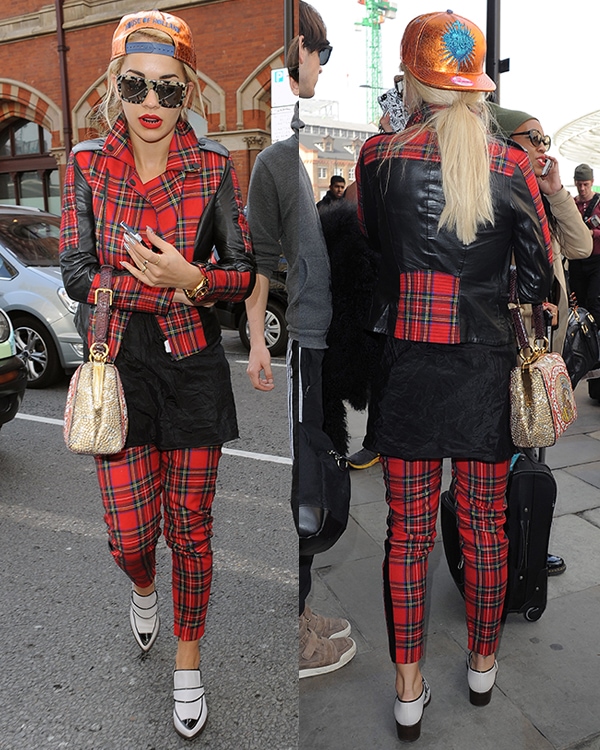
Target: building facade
{"type": "Point", "coordinates": [330, 147]}
{"type": "Point", "coordinates": [52, 75]}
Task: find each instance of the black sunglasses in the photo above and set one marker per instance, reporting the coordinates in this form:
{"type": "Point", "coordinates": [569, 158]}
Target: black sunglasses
{"type": "Point", "coordinates": [536, 138]}
{"type": "Point", "coordinates": [325, 54]}
{"type": "Point", "coordinates": [134, 90]}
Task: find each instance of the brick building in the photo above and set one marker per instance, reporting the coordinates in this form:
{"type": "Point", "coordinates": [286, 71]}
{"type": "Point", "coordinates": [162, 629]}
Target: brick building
{"type": "Point", "coordinates": [238, 43]}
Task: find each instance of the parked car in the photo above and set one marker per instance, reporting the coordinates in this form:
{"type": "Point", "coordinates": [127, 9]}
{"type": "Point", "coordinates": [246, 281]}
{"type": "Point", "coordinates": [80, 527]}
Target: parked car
{"type": "Point", "coordinates": [233, 315]}
{"type": "Point", "coordinates": [33, 295]}
{"type": "Point", "coordinates": [13, 377]}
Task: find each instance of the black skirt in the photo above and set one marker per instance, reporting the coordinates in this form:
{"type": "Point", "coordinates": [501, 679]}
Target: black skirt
{"type": "Point", "coordinates": [185, 403]}
{"type": "Point", "coordinates": [441, 401]}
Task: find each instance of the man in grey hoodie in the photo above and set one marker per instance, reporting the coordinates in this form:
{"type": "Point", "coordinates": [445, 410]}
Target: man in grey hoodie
{"type": "Point", "coordinates": [283, 218]}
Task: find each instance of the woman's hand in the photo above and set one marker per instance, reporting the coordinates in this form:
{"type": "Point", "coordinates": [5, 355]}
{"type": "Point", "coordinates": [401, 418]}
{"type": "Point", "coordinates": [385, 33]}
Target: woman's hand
{"type": "Point", "coordinates": [165, 269]}
{"type": "Point", "coordinates": [181, 297]}
{"type": "Point", "coordinates": [551, 183]}
{"type": "Point", "coordinates": [384, 124]}
{"type": "Point", "coordinates": [553, 309]}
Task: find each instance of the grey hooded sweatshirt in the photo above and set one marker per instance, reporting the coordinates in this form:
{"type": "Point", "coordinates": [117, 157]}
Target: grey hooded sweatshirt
{"type": "Point", "coordinates": [283, 218]}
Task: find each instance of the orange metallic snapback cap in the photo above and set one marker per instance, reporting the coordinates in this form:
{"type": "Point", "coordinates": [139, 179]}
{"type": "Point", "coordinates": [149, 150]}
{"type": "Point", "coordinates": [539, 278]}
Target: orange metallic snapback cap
{"type": "Point", "coordinates": [446, 51]}
{"type": "Point", "coordinates": [176, 28]}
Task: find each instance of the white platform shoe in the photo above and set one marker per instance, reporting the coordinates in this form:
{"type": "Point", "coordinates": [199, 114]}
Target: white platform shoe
{"type": "Point", "coordinates": [189, 710]}
{"type": "Point", "coordinates": [481, 683]}
{"type": "Point", "coordinates": [143, 618]}
{"type": "Point", "coordinates": [408, 715]}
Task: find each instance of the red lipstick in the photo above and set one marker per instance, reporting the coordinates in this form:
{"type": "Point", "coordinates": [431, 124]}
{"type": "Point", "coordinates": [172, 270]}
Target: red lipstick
{"type": "Point", "coordinates": [150, 121]}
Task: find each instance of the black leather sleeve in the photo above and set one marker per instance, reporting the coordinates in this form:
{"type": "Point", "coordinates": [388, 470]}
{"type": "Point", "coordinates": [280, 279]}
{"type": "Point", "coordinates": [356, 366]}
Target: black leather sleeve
{"type": "Point", "coordinates": [534, 272]}
{"type": "Point", "coordinates": [219, 229]}
{"type": "Point", "coordinates": [78, 260]}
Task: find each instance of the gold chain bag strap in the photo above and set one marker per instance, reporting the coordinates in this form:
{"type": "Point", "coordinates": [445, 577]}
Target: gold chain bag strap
{"type": "Point", "coordinates": [542, 404]}
{"type": "Point", "coordinates": [96, 413]}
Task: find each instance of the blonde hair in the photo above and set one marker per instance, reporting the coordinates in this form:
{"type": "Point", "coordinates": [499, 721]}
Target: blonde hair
{"type": "Point", "coordinates": [110, 107]}
{"type": "Point", "coordinates": [462, 128]}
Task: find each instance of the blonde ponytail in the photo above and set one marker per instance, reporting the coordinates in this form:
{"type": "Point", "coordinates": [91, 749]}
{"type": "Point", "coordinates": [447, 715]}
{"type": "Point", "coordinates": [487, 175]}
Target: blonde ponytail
{"type": "Point", "coordinates": [461, 125]}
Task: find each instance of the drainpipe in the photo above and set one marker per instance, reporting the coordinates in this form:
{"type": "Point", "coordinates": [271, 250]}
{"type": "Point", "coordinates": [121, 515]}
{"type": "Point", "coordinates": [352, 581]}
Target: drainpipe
{"type": "Point", "coordinates": [288, 26]}
{"type": "Point", "coordinates": [64, 81]}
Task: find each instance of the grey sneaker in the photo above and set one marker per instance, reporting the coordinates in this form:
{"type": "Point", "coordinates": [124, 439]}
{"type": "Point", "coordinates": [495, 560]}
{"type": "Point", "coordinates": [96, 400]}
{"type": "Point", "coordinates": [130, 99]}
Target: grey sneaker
{"type": "Point", "coordinates": [321, 655]}
{"type": "Point", "coordinates": [326, 627]}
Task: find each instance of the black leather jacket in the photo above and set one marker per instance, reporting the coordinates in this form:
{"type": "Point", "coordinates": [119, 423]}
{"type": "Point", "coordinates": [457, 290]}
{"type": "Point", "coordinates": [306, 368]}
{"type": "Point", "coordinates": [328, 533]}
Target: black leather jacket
{"type": "Point", "coordinates": [400, 202]}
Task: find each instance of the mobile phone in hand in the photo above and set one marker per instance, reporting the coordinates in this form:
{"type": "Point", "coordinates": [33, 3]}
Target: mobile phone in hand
{"type": "Point", "coordinates": [391, 103]}
{"type": "Point", "coordinates": [131, 232]}
{"type": "Point", "coordinates": [137, 236]}
{"type": "Point", "coordinates": [547, 168]}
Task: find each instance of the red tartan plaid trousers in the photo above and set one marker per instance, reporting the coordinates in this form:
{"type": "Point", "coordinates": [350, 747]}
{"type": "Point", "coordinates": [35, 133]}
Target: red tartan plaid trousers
{"type": "Point", "coordinates": [412, 494]}
{"type": "Point", "coordinates": [135, 484]}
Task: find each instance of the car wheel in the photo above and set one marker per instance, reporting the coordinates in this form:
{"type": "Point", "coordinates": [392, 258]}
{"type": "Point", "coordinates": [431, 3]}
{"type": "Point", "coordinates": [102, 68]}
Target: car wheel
{"type": "Point", "coordinates": [276, 335]}
{"type": "Point", "coordinates": [36, 348]}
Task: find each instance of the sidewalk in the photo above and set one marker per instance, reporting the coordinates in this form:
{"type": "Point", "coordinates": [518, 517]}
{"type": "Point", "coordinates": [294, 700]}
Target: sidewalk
{"type": "Point", "coordinates": [547, 694]}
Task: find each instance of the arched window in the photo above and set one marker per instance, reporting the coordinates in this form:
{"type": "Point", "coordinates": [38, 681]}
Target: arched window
{"type": "Point", "coordinates": [28, 172]}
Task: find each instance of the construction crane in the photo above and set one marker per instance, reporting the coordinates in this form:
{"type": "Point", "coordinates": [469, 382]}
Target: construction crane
{"type": "Point", "coordinates": [376, 12]}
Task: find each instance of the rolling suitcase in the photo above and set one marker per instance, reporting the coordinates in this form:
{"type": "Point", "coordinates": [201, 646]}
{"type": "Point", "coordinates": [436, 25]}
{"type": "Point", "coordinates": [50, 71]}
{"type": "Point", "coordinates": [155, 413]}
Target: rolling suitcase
{"type": "Point", "coordinates": [531, 496]}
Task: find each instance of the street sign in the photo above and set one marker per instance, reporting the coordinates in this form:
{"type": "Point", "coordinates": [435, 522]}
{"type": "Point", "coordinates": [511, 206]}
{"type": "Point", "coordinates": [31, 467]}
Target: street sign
{"type": "Point", "coordinates": [283, 101]}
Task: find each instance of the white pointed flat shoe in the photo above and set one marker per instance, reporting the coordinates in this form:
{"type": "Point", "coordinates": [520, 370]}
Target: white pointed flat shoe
{"type": "Point", "coordinates": [480, 683]}
{"type": "Point", "coordinates": [408, 715]}
{"type": "Point", "coordinates": [189, 710]}
{"type": "Point", "coordinates": [143, 618]}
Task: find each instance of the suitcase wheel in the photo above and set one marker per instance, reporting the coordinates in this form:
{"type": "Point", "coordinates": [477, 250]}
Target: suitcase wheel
{"type": "Point", "coordinates": [533, 614]}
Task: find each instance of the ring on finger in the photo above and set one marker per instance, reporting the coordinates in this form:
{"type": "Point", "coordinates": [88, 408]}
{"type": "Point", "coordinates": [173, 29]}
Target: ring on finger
{"type": "Point", "coordinates": [145, 264]}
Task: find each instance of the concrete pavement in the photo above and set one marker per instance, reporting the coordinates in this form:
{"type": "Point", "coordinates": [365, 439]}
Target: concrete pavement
{"type": "Point", "coordinates": [547, 694]}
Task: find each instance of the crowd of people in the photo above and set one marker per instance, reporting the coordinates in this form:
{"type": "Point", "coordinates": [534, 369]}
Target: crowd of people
{"type": "Point", "coordinates": [439, 212]}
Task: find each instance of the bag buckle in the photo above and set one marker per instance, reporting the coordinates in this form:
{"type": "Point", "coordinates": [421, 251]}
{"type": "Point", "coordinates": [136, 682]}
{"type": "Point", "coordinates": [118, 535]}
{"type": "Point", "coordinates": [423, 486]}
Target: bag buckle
{"type": "Point", "coordinates": [103, 289]}
{"type": "Point", "coordinates": [98, 352]}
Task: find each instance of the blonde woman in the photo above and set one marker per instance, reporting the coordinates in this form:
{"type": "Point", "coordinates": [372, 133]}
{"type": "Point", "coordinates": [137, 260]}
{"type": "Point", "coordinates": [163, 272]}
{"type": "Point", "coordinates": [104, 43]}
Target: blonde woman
{"type": "Point", "coordinates": [181, 195]}
{"type": "Point", "coordinates": [445, 206]}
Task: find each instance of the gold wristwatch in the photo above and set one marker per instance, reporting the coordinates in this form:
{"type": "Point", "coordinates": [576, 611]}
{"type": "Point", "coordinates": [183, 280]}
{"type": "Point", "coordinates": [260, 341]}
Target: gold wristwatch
{"type": "Point", "coordinates": [198, 291]}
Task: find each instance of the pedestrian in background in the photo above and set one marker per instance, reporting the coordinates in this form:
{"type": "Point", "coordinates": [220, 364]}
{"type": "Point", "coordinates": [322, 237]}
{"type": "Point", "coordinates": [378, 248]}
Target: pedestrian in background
{"type": "Point", "coordinates": [584, 275]}
{"type": "Point", "coordinates": [151, 172]}
{"type": "Point", "coordinates": [445, 207]}
{"type": "Point", "coordinates": [571, 239]}
{"type": "Point", "coordinates": [337, 186]}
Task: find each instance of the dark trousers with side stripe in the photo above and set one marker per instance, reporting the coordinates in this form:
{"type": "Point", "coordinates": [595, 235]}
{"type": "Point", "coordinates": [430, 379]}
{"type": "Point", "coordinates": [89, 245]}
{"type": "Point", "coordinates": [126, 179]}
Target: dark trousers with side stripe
{"type": "Point", "coordinates": [135, 484]}
{"type": "Point", "coordinates": [305, 404]}
{"type": "Point", "coordinates": [412, 494]}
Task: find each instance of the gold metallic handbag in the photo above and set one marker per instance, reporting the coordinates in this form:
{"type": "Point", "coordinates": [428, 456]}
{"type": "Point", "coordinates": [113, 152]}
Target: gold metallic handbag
{"type": "Point", "coordinates": [542, 403]}
{"type": "Point", "coordinates": [96, 412]}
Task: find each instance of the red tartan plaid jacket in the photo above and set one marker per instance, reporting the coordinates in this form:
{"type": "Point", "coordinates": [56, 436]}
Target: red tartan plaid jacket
{"type": "Point", "coordinates": [195, 205]}
{"type": "Point", "coordinates": [431, 287]}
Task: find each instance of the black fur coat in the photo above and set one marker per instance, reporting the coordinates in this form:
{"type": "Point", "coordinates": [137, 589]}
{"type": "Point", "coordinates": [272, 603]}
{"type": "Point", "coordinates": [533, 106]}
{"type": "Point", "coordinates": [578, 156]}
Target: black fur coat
{"type": "Point", "coordinates": [351, 351]}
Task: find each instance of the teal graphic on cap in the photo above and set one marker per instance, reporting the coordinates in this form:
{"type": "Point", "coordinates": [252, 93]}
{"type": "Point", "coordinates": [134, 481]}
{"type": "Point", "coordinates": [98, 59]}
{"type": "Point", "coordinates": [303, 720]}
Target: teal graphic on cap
{"type": "Point", "coordinates": [459, 44]}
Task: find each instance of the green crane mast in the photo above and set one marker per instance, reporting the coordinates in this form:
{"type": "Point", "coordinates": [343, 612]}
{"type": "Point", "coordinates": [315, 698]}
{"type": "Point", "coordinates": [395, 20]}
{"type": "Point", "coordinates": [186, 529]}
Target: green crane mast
{"type": "Point", "coordinates": [376, 12]}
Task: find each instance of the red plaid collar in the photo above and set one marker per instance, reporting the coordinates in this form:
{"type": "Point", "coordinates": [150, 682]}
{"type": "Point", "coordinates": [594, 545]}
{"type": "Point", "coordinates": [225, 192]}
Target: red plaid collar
{"type": "Point", "coordinates": [184, 152]}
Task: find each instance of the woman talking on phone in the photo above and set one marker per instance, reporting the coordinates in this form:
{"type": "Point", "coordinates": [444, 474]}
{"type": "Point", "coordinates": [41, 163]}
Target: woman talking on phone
{"type": "Point", "coordinates": [571, 239]}
{"type": "Point", "coordinates": [180, 197]}
{"type": "Point", "coordinates": [444, 206]}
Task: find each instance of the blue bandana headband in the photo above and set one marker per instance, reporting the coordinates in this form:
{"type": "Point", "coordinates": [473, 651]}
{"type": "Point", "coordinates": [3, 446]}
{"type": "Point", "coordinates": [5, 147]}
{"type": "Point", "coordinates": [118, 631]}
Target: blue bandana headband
{"type": "Point", "coordinates": [153, 48]}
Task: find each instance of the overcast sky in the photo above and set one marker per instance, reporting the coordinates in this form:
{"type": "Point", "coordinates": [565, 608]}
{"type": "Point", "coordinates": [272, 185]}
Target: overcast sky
{"type": "Point", "coordinates": [554, 64]}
